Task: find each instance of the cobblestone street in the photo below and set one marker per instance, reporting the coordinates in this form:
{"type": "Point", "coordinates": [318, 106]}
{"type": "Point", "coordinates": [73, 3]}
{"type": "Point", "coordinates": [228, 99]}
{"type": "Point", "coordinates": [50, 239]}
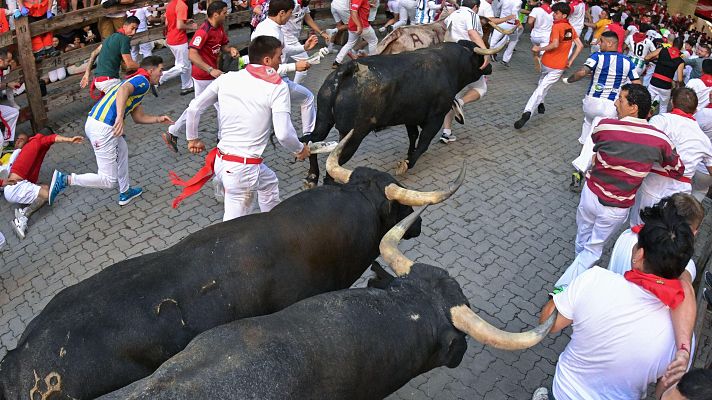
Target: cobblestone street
{"type": "Point", "coordinates": [505, 236]}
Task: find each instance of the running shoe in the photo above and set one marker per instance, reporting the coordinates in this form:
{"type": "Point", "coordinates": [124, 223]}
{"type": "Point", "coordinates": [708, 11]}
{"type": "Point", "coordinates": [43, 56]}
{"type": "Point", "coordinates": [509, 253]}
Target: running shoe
{"type": "Point", "coordinates": [541, 108]}
{"type": "Point", "coordinates": [447, 138]}
{"type": "Point", "coordinates": [541, 394]}
{"type": "Point", "coordinates": [171, 141]}
{"type": "Point", "coordinates": [58, 184]}
{"type": "Point", "coordinates": [523, 120]}
{"type": "Point", "coordinates": [126, 197]}
{"type": "Point", "coordinates": [20, 227]}
{"type": "Point", "coordinates": [459, 112]}
{"type": "Point", "coordinates": [575, 185]}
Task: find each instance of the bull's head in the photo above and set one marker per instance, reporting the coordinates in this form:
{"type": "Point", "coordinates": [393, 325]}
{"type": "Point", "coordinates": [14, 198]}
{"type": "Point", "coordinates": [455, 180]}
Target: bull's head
{"type": "Point", "coordinates": [460, 314]}
{"type": "Point", "coordinates": [478, 56]}
{"type": "Point", "coordinates": [393, 200]}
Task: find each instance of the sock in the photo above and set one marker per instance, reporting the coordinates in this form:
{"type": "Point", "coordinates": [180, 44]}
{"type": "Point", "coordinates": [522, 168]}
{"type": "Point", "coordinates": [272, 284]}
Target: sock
{"type": "Point", "coordinates": [447, 132]}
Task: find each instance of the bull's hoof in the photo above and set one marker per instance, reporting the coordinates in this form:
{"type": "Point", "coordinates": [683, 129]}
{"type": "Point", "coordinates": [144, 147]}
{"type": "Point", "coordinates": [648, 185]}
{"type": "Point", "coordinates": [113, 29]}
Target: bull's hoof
{"type": "Point", "coordinates": [401, 167]}
{"type": "Point", "coordinates": [310, 182]}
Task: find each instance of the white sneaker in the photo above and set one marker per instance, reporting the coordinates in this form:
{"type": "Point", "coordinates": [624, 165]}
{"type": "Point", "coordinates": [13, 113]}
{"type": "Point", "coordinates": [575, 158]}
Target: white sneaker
{"type": "Point", "coordinates": [447, 138]}
{"type": "Point", "coordinates": [331, 31]}
{"type": "Point", "coordinates": [20, 226]}
{"type": "Point", "coordinates": [382, 29]}
{"type": "Point", "coordinates": [20, 213]}
{"type": "Point", "coordinates": [2, 241]}
{"type": "Point", "coordinates": [541, 394]}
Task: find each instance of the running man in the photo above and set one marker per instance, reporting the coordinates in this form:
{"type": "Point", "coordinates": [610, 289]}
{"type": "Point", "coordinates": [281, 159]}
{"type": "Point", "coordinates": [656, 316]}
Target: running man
{"type": "Point", "coordinates": [105, 130]}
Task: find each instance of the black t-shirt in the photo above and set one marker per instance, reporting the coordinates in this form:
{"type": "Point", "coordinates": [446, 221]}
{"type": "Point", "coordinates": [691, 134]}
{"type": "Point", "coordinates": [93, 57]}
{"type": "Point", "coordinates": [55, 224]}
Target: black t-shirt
{"type": "Point", "coordinates": [666, 66]}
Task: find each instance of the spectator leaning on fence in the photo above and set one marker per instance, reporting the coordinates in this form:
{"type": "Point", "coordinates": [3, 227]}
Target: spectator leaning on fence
{"type": "Point", "coordinates": [37, 10]}
{"type": "Point", "coordinates": [112, 22]}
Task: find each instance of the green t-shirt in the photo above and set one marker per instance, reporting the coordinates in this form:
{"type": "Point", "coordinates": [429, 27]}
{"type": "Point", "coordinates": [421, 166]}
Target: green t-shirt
{"type": "Point", "coordinates": [109, 61]}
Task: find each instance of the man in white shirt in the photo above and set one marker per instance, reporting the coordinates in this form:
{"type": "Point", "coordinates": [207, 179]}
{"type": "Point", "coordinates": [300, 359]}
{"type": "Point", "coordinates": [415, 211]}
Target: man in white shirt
{"type": "Point", "coordinates": [145, 49]}
{"type": "Point", "coordinates": [540, 22]}
{"type": "Point", "coordinates": [703, 88]}
{"type": "Point", "coordinates": [340, 12]}
{"type": "Point", "coordinates": [623, 337]}
{"type": "Point", "coordinates": [578, 15]}
{"type": "Point", "coordinates": [510, 10]}
{"type": "Point", "coordinates": [639, 45]}
{"type": "Point", "coordinates": [279, 13]}
{"type": "Point", "coordinates": [291, 31]}
{"type": "Point", "coordinates": [464, 24]}
{"type": "Point", "coordinates": [693, 146]}
{"type": "Point", "coordinates": [595, 13]}
{"type": "Point", "coordinates": [247, 118]}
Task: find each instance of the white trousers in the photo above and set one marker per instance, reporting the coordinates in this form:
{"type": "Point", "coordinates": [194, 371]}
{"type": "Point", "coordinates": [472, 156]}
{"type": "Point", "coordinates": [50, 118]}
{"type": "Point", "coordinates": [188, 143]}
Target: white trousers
{"type": "Point", "coordinates": [406, 12]}
{"type": "Point", "coordinates": [112, 158]}
{"type": "Point", "coordinates": [145, 49]}
{"type": "Point", "coordinates": [57, 74]}
{"type": "Point", "coordinates": [10, 115]}
{"type": "Point", "coordinates": [661, 95]}
{"type": "Point", "coordinates": [245, 183]}
{"type": "Point", "coordinates": [547, 79]}
{"type": "Point", "coordinates": [368, 34]}
{"type": "Point", "coordinates": [304, 97]}
{"type": "Point", "coordinates": [595, 107]}
{"type": "Point", "coordinates": [299, 76]}
{"type": "Point", "coordinates": [107, 85]}
{"type": "Point", "coordinates": [595, 224]}
{"type": "Point", "coordinates": [199, 86]}
{"type": "Point", "coordinates": [340, 15]}
{"type": "Point", "coordinates": [704, 120]}
{"type": "Point", "coordinates": [23, 192]}
{"type": "Point", "coordinates": [180, 68]}
{"type": "Point", "coordinates": [498, 39]}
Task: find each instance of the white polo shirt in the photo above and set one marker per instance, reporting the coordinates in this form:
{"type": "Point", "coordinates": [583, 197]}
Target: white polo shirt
{"type": "Point", "coordinates": [702, 90]}
{"type": "Point", "coordinates": [577, 16]}
{"type": "Point", "coordinates": [510, 7]}
{"type": "Point", "coordinates": [461, 22]}
{"type": "Point", "coordinates": [485, 9]}
{"type": "Point", "coordinates": [246, 114]}
{"type": "Point", "coordinates": [543, 22]}
{"type": "Point", "coordinates": [692, 145]}
{"type": "Point", "coordinates": [270, 28]}
{"type": "Point", "coordinates": [622, 338]}
{"type": "Point", "coordinates": [622, 254]}
{"type": "Point", "coordinates": [293, 27]}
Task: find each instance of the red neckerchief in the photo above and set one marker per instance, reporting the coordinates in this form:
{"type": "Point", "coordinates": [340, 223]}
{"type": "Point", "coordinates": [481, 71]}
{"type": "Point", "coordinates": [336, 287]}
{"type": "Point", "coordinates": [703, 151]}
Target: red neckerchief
{"type": "Point", "coordinates": [674, 52]}
{"type": "Point", "coordinates": [681, 113]}
{"type": "Point", "coordinates": [574, 3]}
{"type": "Point", "coordinates": [638, 37]}
{"type": "Point", "coordinates": [706, 79]}
{"type": "Point", "coordinates": [546, 8]}
{"type": "Point", "coordinates": [265, 73]}
{"type": "Point", "coordinates": [121, 31]}
{"type": "Point", "coordinates": [141, 72]}
{"type": "Point", "coordinates": [669, 291]}
{"type": "Point", "coordinates": [637, 228]}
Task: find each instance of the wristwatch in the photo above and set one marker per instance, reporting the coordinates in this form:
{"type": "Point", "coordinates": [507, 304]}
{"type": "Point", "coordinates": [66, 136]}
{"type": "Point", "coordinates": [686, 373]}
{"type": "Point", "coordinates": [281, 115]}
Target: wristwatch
{"type": "Point", "coordinates": [210, 69]}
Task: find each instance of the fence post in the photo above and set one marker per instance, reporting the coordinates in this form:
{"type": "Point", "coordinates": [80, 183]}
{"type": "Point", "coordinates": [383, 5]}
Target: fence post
{"type": "Point", "coordinates": [29, 71]}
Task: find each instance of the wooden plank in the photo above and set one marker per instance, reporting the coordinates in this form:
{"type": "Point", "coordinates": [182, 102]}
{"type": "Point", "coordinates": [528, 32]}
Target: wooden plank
{"type": "Point", "coordinates": [32, 86]}
{"type": "Point", "coordinates": [7, 38]}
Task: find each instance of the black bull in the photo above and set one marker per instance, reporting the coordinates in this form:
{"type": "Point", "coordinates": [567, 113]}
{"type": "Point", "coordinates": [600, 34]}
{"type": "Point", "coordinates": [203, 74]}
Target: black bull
{"type": "Point", "coordinates": [119, 325]}
{"type": "Point", "coordinates": [352, 344]}
{"type": "Point", "coordinates": [415, 88]}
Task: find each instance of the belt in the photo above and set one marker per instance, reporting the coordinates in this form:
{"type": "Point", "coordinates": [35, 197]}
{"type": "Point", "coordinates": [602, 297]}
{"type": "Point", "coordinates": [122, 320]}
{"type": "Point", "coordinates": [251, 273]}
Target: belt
{"type": "Point", "coordinates": [92, 87]}
{"type": "Point", "coordinates": [238, 159]}
{"type": "Point", "coordinates": [662, 77]}
{"type": "Point", "coordinates": [682, 179]}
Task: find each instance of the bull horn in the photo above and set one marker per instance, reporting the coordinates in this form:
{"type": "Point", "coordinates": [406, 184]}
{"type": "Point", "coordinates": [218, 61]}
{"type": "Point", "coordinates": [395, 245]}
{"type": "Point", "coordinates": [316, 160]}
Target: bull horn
{"type": "Point", "coordinates": [487, 52]}
{"type": "Point", "coordinates": [400, 264]}
{"type": "Point", "coordinates": [500, 29]}
{"type": "Point", "coordinates": [466, 321]}
{"type": "Point", "coordinates": [415, 198]}
{"type": "Point", "coordinates": [336, 171]}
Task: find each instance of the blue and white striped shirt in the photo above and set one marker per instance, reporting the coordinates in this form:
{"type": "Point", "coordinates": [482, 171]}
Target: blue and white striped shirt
{"type": "Point", "coordinates": [611, 70]}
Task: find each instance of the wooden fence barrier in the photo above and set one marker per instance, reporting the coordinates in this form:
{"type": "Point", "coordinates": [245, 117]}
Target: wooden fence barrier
{"type": "Point", "coordinates": [67, 90]}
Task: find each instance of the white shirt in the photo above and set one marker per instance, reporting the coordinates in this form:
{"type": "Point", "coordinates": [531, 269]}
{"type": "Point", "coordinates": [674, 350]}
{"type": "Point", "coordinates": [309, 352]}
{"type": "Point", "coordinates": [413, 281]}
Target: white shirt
{"type": "Point", "coordinates": [543, 22]}
{"type": "Point", "coordinates": [692, 145]}
{"type": "Point", "coordinates": [510, 7]}
{"type": "Point", "coordinates": [577, 16]}
{"type": "Point", "coordinates": [246, 114]}
{"type": "Point", "coordinates": [142, 15]}
{"type": "Point", "coordinates": [462, 21]}
{"type": "Point", "coordinates": [596, 13]}
{"type": "Point", "coordinates": [652, 34]}
{"type": "Point", "coordinates": [622, 254]}
{"type": "Point", "coordinates": [703, 92]}
{"type": "Point", "coordinates": [293, 27]}
{"type": "Point", "coordinates": [622, 338]}
{"type": "Point", "coordinates": [485, 9]}
{"type": "Point", "coordinates": [270, 28]}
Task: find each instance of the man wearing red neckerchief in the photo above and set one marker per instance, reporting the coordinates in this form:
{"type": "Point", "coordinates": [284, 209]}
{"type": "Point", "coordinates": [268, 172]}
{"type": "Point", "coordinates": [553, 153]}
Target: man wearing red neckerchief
{"type": "Point", "coordinates": [669, 68]}
{"type": "Point", "coordinates": [623, 337]}
{"type": "Point", "coordinates": [703, 88]}
{"type": "Point", "coordinates": [105, 130]}
{"type": "Point", "coordinates": [247, 118]}
{"type": "Point", "coordinates": [693, 146]}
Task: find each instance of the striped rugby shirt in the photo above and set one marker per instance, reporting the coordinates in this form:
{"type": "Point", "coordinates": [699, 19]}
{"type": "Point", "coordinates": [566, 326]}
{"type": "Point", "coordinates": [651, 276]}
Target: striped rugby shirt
{"type": "Point", "coordinates": [625, 152]}
{"type": "Point", "coordinates": [639, 46]}
{"type": "Point", "coordinates": [611, 70]}
{"type": "Point", "coordinates": [105, 109]}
